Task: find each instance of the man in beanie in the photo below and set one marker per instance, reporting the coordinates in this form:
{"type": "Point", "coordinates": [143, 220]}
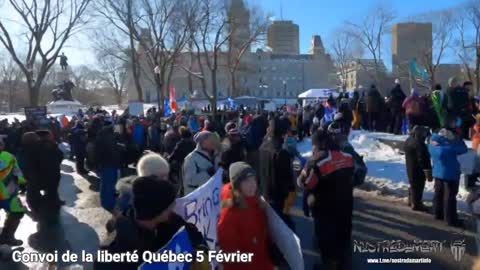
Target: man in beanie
{"type": "Point", "coordinates": [151, 225]}
{"type": "Point", "coordinates": [201, 164]}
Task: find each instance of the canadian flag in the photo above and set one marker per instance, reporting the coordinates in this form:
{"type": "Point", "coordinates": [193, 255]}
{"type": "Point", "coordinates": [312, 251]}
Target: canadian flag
{"type": "Point", "coordinates": [173, 99]}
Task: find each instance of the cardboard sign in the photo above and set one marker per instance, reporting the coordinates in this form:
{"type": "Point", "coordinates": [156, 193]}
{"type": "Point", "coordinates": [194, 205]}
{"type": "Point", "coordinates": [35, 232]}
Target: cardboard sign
{"type": "Point", "coordinates": [36, 113]}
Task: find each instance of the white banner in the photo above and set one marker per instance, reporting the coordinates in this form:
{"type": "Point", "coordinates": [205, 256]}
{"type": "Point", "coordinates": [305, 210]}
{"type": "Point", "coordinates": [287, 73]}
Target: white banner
{"type": "Point", "coordinates": [285, 239]}
{"type": "Point", "coordinates": [202, 208]}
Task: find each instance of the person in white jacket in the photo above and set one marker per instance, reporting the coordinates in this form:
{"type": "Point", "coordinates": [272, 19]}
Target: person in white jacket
{"type": "Point", "coordinates": [201, 164]}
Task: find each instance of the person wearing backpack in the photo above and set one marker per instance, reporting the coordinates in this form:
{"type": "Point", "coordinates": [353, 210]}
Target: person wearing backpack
{"type": "Point", "coordinates": [413, 109]}
{"type": "Point", "coordinates": [328, 176]}
{"type": "Point", "coordinates": [418, 165]}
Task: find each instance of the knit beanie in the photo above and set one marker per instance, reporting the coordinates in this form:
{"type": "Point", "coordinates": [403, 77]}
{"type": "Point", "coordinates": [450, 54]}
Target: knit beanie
{"type": "Point", "coordinates": [151, 197]}
{"type": "Point", "coordinates": [238, 172]}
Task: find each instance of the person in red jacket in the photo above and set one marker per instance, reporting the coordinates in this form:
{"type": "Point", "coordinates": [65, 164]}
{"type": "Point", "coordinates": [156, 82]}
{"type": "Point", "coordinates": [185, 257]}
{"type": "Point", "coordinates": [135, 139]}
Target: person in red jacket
{"type": "Point", "coordinates": [243, 222]}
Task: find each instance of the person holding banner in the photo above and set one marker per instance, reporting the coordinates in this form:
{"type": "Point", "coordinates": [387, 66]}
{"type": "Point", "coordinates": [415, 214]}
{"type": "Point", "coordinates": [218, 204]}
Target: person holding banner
{"type": "Point", "coordinates": [243, 225]}
{"type": "Point", "coordinates": [328, 176]}
{"type": "Point", "coordinates": [151, 226]}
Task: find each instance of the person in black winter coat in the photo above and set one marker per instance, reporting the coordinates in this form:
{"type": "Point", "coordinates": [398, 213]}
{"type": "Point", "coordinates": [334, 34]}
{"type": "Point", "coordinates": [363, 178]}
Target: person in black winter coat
{"type": "Point", "coordinates": [418, 165]}
{"type": "Point", "coordinates": [79, 146]}
{"type": "Point", "coordinates": [328, 176]}
{"type": "Point", "coordinates": [374, 106]}
{"type": "Point", "coordinates": [43, 174]}
{"type": "Point", "coordinates": [185, 146]}
{"type": "Point", "coordinates": [109, 154]}
{"type": "Point", "coordinates": [395, 101]}
{"type": "Point", "coordinates": [458, 105]}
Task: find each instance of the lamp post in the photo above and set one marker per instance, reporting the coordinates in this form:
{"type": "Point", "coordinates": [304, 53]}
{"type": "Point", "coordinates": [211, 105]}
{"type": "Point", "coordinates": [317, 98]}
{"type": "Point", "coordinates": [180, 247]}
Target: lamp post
{"type": "Point", "coordinates": [285, 89]}
{"type": "Point", "coordinates": [157, 72]}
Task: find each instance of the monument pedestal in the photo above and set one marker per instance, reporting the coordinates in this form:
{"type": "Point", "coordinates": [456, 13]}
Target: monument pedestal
{"type": "Point", "coordinates": [64, 107]}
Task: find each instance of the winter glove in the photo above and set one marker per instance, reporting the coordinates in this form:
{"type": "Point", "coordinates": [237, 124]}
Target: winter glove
{"type": "Point", "coordinates": [428, 175]}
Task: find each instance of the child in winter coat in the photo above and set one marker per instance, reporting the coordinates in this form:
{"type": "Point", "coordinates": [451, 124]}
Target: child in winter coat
{"type": "Point", "coordinates": [444, 149]}
{"type": "Point", "coordinates": [242, 225]}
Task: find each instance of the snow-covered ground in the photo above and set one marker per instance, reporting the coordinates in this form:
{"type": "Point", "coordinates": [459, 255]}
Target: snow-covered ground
{"type": "Point", "coordinates": [387, 173]}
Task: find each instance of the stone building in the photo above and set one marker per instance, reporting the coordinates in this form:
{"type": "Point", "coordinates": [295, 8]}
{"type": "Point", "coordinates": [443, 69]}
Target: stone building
{"type": "Point", "coordinates": [287, 75]}
{"type": "Point", "coordinates": [284, 38]}
{"type": "Point", "coordinates": [360, 74]}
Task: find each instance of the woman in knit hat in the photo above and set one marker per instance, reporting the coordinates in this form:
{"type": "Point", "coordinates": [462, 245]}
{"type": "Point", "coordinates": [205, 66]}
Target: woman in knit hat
{"type": "Point", "coordinates": [242, 225]}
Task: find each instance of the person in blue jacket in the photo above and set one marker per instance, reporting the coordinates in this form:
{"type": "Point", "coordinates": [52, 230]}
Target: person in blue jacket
{"type": "Point", "coordinates": [444, 149]}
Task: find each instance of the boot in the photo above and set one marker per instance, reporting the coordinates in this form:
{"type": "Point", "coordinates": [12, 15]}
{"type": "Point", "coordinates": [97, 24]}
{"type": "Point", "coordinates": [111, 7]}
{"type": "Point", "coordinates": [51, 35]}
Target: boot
{"type": "Point", "coordinates": [420, 207]}
{"type": "Point", "coordinates": [8, 233]}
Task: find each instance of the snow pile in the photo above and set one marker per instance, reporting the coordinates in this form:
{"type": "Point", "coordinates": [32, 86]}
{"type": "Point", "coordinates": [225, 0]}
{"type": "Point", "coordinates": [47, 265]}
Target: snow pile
{"type": "Point", "coordinates": [387, 174]}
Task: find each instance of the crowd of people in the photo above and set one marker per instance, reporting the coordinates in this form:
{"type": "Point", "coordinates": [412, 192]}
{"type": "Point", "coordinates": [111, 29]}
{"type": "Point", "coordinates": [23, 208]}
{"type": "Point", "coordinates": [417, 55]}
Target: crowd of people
{"type": "Point", "coordinates": [175, 155]}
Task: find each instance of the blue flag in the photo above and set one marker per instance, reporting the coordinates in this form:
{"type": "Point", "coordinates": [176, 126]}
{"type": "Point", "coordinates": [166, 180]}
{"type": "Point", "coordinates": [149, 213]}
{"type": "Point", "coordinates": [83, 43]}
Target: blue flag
{"type": "Point", "coordinates": [180, 243]}
{"type": "Point", "coordinates": [417, 71]}
{"type": "Point", "coordinates": [168, 110]}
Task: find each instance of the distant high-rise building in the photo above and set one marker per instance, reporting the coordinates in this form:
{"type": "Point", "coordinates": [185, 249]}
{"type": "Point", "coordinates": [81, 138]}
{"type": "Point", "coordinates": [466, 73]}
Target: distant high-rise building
{"type": "Point", "coordinates": [317, 46]}
{"type": "Point", "coordinates": [284, 38]}
{"type": "Point", "coordinates": [410, 40]}
{"type": "Point", "coordinates": [240, 25]}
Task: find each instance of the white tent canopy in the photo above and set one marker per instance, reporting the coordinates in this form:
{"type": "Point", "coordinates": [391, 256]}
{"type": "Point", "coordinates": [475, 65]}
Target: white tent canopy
{"type": "Point", "coordinates": [318, 93]}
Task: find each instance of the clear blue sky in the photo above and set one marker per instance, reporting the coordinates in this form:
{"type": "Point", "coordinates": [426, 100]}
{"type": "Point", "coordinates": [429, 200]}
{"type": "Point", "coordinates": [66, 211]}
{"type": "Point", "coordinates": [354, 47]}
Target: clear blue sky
{"type": "Point", "coordinates": [313, 16]}
{"type": "Point", "coordinates": [323, 16]}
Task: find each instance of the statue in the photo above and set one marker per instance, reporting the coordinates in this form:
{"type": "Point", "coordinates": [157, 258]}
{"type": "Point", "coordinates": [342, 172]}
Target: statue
{"type": "Point", "coordinates": [63, 91]}
{"type": "Point", "coordinates": [63, 61]}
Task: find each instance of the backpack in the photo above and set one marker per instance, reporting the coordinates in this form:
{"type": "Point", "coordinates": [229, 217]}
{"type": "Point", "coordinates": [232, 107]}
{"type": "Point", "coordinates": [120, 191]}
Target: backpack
{"type": "Point", "coordinates": [360, 168]}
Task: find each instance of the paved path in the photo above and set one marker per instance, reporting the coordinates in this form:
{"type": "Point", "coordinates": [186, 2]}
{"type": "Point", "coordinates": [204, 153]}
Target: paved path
{"type": "Point", "coordinates": [377, 219]}
{"type": "Point", "coordinates": [83, 228]}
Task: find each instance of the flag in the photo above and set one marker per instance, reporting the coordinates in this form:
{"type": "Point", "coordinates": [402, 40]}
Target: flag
{"type": "Point", "coordinates": [179, 244]}
{"type": "Point", "coordinates": [168, 110]}
{"type": "Point", "coordinates": [417, 71]}
{"type": "Point", "coordinates": [173, 99]}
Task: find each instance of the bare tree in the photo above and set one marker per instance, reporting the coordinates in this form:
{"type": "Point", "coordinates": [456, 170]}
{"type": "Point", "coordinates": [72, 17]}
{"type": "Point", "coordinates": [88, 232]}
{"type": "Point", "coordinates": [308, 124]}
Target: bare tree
{"type": "Point", "coordinates": [46, 26]}
{"type": "Point", "coordinates": [257, 25]}
{"type": "Point", "coordinates": [123, 15]}
{"type": "Point", "coordinates": [443, 24]}
{"type": "Point", "coordinates": [468, 42]}
{"type": "Point", "coordinates": [11, 78]}
{"type": "Point", "coordinates": [114, 74]}
{"type": "Point", "coordinates": [345, 49]}
{"type": "Point", "coordinates": [370, 32]}
{"type": "Point", "coordinates": [209, 34]}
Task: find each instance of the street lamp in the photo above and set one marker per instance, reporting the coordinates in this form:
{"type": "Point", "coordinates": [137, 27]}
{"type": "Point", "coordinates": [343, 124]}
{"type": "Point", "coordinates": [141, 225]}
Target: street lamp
{"type": "Point", "coordinates": [157, 72]}
{"type": "Point", "coordinates": [285, 89]}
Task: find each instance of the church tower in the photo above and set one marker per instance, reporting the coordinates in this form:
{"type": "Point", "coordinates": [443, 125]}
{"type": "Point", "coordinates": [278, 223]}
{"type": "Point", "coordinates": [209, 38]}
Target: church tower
{"type": "Point", "coordinates": [317, 48]}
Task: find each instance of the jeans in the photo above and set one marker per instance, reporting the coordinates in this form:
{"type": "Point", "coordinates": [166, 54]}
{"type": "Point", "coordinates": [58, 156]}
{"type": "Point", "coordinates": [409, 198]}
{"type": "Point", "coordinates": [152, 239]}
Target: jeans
{"type": "Point", "coordinates": [109, 177]}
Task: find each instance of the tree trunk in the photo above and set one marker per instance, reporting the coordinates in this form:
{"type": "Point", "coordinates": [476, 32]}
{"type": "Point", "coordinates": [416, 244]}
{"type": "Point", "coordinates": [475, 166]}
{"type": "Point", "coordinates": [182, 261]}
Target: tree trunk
{"type": "Point", "coordinates": [34, 92]}
{"type": "Point", "coordinates": [135, 69]}
{"type": "Point", "coordinates": [119, 97]}
{"type": "Point", "coordinates": [213, 101]}
{"type": "Point", "coordinates": [233, 85]}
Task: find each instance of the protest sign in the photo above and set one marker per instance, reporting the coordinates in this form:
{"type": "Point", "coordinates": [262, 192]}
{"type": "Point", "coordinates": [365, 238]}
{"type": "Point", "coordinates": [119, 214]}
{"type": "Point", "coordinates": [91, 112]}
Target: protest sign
{"type": "Point", "coordinates": [36, 113]}
{"type": "Point", "coordinates": [285, 239]}
{"type": "Point", "coordinates": [135, 108]}
{"type": "Point", "coordinates": [179, 244]}
{"type": "Point", "coordinates": [202, 208]}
